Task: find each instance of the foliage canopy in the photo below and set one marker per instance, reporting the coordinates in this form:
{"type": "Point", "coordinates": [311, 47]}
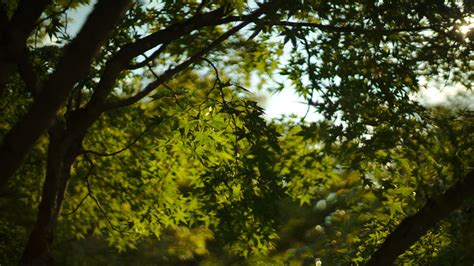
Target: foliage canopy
{"type": "Point", "coordinates": [139, 132]}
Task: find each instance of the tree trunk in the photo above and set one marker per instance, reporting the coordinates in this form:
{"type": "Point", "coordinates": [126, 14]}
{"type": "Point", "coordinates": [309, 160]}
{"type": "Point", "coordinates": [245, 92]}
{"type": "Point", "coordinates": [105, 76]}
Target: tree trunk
{"type": "Point", "coordinates": [72, 66]}
{"type": "Point", "coordinates": [62, 152]}
{"type": "Point", "coordinates": [413, 227]}
{"type": "Point", "coordinates": [64, 146]}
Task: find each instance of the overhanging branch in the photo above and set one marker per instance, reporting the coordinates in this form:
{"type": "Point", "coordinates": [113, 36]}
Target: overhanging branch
{"type": "Point", "coordinates": [415, 226]}
{"type": "Point", "coordinates": [193, 59]}
{"type": "Point", "coordinates": [121, 60]}
{"type": "Point", "coordinates": [167, 75]}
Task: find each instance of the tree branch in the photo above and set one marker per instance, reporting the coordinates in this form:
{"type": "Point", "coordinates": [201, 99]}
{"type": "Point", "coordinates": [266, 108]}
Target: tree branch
{"type": "Point", "coordinates": [193, 59]}
{"type": "Point", "coordinates": [148, 59]}
{"type": "Point", "coordinates": [167, 75]}
{"type": "Point", "coordinates": [14, 33]}
{"type": "Point", "coordinates": [26, 15]}
{"type": "Point", "coordinates": [63, 11]}
{"type": "Point", "coordinates": [415, 226]}
{"type": "Point", "coordinates": [121, 60]}
{"type": "Point", "coordinates": [96, 201]}
{"type": "Point", "coordinates": [89, 172]}
{"type": "Point", "coordinates": [332, 28]}
{"type": "Point", "coordinates": [28, 74]}
{"type": "Point", "coordinates": [453, 36]}
{"type": "Point", "coordinates": [135, 140]}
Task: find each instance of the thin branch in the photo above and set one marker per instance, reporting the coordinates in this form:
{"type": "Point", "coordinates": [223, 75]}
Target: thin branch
{"type": "Point", "coordinates": [77, 207]}
{"type": "Point", "coordinates": [174, 95]}
{"type": "Point", "coordinates": [89, 172]}
{"type": "Point", "coordinates": [148, 59]}
{"type": "Point", "coordinates": [106, 216]}
{"type": "Point", "coordinates": [348, 29]}
{"type": "Point", "coordinates": [63, 11]}
{"type": "Point", "coordinates": [152, 71]}
{"type": "Point", "coordinates": [135, 140]}
{"type": "Point", "coordinates": [217, 82]}
{"type": "Point", "coordinates": [166, 86]}
{"type": "Point", "coordinates": [311, 75]}
{"type": "Point", "coordinates": [452, 36]}
{"type": "Point", "coordinates": [91, 195]}
{"type": "Point", "coordinates": [216, 71]}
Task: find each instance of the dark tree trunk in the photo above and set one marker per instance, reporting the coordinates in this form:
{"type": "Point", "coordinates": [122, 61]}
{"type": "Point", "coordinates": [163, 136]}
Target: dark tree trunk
{"type": "Point", "coordinates": [62, 152]}
{"type": "Point", "coordinates": [72, 66]}
{"type": "Point", "coordinates": [415, 226]}
{"type": "Point", "coordinates": [64, 146]}
{"type": "Point", "coordinates": [37, 249]}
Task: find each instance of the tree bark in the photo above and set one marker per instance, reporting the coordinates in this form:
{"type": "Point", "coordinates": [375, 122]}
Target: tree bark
{"type": "Point", "coordinates": [413, 227]}
{"type": "Point", "coordinates": [37, 250]}
{"type": "Point", "coordinates": [71, 68]}
{"type": "Point", "coordinates": [64, 146]}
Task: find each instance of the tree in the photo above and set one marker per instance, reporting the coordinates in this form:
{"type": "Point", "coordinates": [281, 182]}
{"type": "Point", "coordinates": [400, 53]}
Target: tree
{"type": "Point", "coordinates": [357, 64]}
